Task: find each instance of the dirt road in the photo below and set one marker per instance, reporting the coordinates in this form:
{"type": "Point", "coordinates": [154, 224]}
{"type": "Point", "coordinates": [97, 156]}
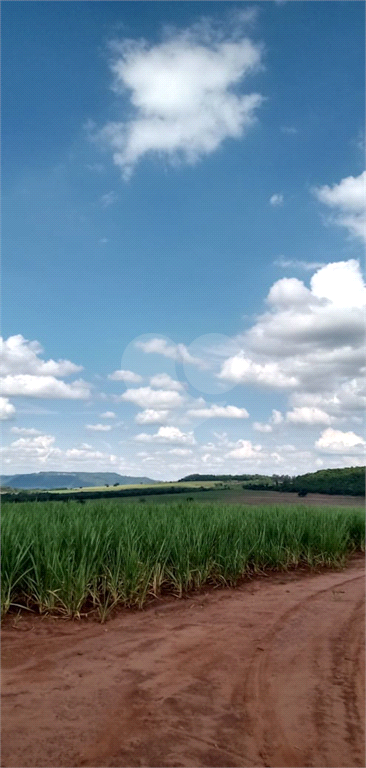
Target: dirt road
{"type": "Point", "coordinates": [268, 674]}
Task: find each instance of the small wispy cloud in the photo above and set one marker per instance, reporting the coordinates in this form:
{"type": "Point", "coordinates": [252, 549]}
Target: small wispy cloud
{"type": "Point", "coordinates": [276, 199]}
{"type": "Point", "coordinates": [98, 167]}
{"type": "Point", "coordinates": [103, 240]}
{"type": "Point", "coordinates": [290, 129]}
{"type": "Point", "coordinates": [295, 264]}
{"type": "Point", "coordinates": [108, 199]}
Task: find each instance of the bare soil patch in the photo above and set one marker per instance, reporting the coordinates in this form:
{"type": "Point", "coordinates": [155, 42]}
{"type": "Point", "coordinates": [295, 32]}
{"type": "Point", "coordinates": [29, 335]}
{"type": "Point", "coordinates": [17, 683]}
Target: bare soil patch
{"type": "Point", "coordinates": [270, 673]}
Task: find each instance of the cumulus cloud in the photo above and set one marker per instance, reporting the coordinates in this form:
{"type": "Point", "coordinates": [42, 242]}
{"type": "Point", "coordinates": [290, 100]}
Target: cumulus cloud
{"type": "Point", "coordinates": [219, 412]}
{"type": "Point", "coordinates": [108, 415]}
{"type": "Point", "coordinates": [310, 339]}
{"type": "Point", "coordinates": [178, 352]}
{"type": "Point", "coordinates": [260, 427]}
{"type": "Point", "coordinates": [7, 410]}
{"type": "Point", "coordinates": [275, 419]}
{"type": "Point", "coordinates": [349, 198]}
{"type": "Point", "coordinates": [44, 386]}
{"type": "Point", "coordinates": [129, 376]}
{"type": "Point", "coordinates": [32, 453]}
{"type": "Point", "coordinates": [276, 199]}
{"type": "Point", "coordinates": [242, 370]}
{"type": "Point", "coordinates": [98, 427]}
{"type": "Point", "coordinates": [151, 416]}
{"type": "Point", "coordinates": [20, 356]}
{"type": "Point", "coordinates": [184, 96]}
{"type": "Point", "coordinates": [24, 373]}
{"type": "Point", "coordinates": [335, 441]}
{"type": "Point", "coordinates": [167, 435]}
{"type": "Point", "coordinates": [146, 397]}
{"type": "Point", "coordinates": [164, 381]}
{"type": "Point", "coordinates": [308, 415]}
{"type": "Point", "coordinates": [244, 450]}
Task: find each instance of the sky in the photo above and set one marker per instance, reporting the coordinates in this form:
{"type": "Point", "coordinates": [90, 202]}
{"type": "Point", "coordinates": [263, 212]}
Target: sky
{"type": "Point", "coordinates": [184, 224]}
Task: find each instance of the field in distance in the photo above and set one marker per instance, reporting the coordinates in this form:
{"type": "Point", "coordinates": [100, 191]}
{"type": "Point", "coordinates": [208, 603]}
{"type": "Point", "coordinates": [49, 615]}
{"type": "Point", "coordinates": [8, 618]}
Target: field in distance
{"type": "Point", "coordinates": [141, 486]}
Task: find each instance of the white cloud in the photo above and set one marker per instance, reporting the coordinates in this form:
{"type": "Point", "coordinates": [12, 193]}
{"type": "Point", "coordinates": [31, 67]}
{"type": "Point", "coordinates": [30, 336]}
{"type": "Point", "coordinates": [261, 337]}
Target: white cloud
{"type": "Point", "coordinates": [242, 370]}
{"type": "Point", "coordinates": [260, 427]}
{"type": "Point", "coordinates": [20, 356]}
{"type": "Point", "coordinates": [151, 416]}
{"type": "Point", "coordinates": [219, 412]}
{"type": "Point", "coordinates": [33, 453]}
{"type": "Point", "coordinates": [180, 451]}
{"type": "Point", "coordinates": [335, 441]}
{"type": "Point", "coordinates": [182, 96]}
{"type": "Point", "coordinates": [44, 386]}
{"type": "Point", "coordinates": [158, 399]}
{"type": "Point", "coordinates": [108, 415]}
{"type": "Point", "coordinates": [24, 373]}
{"type": "Point", "coordinates": [108, 199]}
{"type": "Point", "coordinates": [340, 283]}
{"type": "Point", "coordinates": [129, 376]}
{"type": "Point", "coordinates": [164, 381]}
{"type": "Point", "coordinates": [288, 129]}
{"type": "Point", "coordinates": [311, 339]}
{"type": "Point", "coordinates": [295, 264]}
{"type": "Point", "coordinates": [167, 435]}
{"type": "Point", "coordinates": [244, 450]}
{"type": "Point", "coordinates": [308, 415]}
{"type": "Point", "coordinates": [99, 427]}
{"type": "Point", "coordinates": [275, 420]}
{"type": "Point", "coordinates": [276, 199]}
{"type": "Point", "coordinates": [7, 410]}
{"type": "Point", "coordinates": [24, 431]}
{"type": "Point", "coordinates": [178, 352]}
{"type": "Point", "coordinates": [349, 197]}
{"type": "Point", "coordinates": [276, 417]}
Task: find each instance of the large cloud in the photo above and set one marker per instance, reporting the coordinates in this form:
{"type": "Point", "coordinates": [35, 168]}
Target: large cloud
{"type": "Point", "coordinates": [32, 453]}
{"type": "Point", "coordinates": [24, 373]}
{"type": "Point", "coordinates": [311, 340]}
{"type": "Point", "coordinates": [182, 96]}
{"type": "Point", "coordinates": [25, 385]}
{"type": "Point", "coordinates": [349, 199]}
{"type": "Point", "coordinates": [18, 355]}
{"type": "Point", "coordinates": [335, 441]}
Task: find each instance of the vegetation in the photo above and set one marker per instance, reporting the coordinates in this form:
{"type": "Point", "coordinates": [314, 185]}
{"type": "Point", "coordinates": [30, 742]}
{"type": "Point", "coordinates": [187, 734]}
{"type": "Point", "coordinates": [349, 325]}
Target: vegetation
{"type": "Point", "coordinates": [73, 558]}
{"type": "Point", "coordinates": [346, 481]}
{"type": "Point", "coordinates": [97, 493]}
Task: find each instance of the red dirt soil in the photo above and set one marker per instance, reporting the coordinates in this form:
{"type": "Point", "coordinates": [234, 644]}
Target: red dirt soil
{"type": "Point", "coordinates": [268, 674]}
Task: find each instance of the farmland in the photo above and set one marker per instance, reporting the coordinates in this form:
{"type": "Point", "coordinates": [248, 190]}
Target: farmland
{"type": "Point", "coordinates": [69, 559]}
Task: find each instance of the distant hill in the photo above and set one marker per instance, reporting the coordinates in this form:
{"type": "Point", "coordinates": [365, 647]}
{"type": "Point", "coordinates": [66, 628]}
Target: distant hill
{"type": "Point", "coordinates": [52, 480]}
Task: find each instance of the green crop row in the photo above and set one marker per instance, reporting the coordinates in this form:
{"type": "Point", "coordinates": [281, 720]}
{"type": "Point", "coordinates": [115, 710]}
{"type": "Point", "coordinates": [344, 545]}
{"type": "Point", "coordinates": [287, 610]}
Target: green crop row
{"type": "Point", "coordinates": [71, 559]}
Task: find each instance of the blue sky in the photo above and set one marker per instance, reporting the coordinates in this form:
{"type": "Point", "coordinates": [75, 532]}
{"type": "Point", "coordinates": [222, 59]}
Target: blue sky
{"type": "Point", "coordinates": [183, 194]}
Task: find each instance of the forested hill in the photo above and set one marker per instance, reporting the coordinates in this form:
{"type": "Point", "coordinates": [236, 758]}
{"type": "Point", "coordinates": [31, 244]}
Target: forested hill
{"type": "Point", "coordinates": [52, 480]}
{"type": "Point", "coordinates": [344, 481]}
